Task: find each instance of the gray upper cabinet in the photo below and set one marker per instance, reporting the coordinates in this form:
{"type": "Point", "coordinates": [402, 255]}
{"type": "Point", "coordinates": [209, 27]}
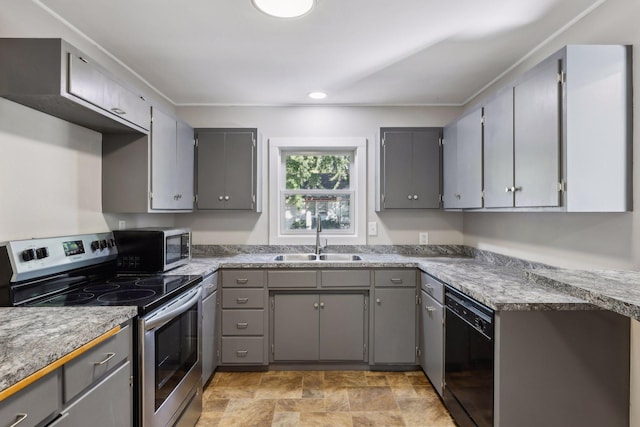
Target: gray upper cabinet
{"type": "Point", "coordinates": [149, 173]}
{"type": "Point", "coordinates": [227, 169]}
{"type": "Point", "coordinates": [409, 175]}
{"type": "Point", "coordinates": [498, 151]}
{"type": "Point", "coordinates": [52, 76]}
{"type": "Point", "coordinates": [536, 114]}
{"type": "Point", "coordinates": [462, 153]}
{"type": "Point", "coordinates": [172, 163]}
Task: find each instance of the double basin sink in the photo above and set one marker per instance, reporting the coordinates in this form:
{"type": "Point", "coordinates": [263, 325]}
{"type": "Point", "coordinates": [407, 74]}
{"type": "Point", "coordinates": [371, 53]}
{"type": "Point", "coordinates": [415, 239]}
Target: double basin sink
{"type": "Point", "coordinates": [314, 257]}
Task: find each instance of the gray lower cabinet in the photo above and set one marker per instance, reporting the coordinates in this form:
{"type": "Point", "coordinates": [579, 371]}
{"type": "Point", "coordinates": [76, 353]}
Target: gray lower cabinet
{"type": "Point", "coordinates": [409, 170]}
{"type": "Point", "coordinates": [394, 326]}
{"type": "Point", "coordinates": [319, 327]}
{"type": "Point", "coordinates": [33, 405]}
{"type": "Point", "coordinates": [462, 157]}
{"type": "Point", "coordinates": [52, 76]}
{"type": "Point", "coordinates": [431, 337]}
{"type": "Point", "coordinates": [227, 169]}
{"type": "Point", "coordinates": [209, 335]}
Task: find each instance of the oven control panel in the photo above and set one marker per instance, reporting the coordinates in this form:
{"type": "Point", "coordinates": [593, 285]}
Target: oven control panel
{"type": "Point", "coordinates": [35, 258]}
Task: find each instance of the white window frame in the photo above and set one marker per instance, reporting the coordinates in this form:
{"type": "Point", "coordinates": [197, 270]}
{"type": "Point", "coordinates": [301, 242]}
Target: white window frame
{"type": "Point", "coordinates": [358, 176]}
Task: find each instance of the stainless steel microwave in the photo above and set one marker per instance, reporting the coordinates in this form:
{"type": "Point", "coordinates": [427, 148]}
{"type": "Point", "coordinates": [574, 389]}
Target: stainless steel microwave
{"type": "Point", "coordinates": [152, 250]}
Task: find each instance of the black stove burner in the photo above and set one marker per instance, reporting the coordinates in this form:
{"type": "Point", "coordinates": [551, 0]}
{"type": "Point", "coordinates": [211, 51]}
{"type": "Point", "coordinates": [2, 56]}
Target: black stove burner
{"type": "Point", "coordinates": [126, 296]}
{"type": "Point", "coordinates": [123, 279]}
{"type": "Point", "coordinates": [152, 281]}
{"type": "Point", "coordinates": [75, 298]}
{"type": "Point", "coordinates": [101, 288]}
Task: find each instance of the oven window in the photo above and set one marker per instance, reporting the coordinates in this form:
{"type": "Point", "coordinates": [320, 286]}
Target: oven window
{"type": "Point", "coordinates": [176, 351]}
{"type": "Point", "coordinates": [177, 248]}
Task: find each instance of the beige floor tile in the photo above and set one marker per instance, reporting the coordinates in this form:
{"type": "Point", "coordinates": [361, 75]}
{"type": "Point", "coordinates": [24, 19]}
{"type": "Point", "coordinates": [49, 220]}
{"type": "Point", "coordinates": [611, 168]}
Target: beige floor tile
{"type": "Point", "coordinates": [280, 387]}
{"type": "Point", "coordinates": [401, 380]}
{"type": "Point", "coordinates": [300, 405]}
{"type": "Point", "coordinates": [286, 419]}
{"type": "Point", "coordinates": [425, 412]}
{"type": "Point", "coordinates": [238, 379]}
{"type": "Point", "coordinates": [425, 391]}
{"type": "Point", "coordinates": [336, 400]}
{"type": "Point", "coordinates": [248, 412]}
{"type": "Point", "coordinates": [371, 399]}
{"type": "Point", "coordinates": [404, 391]}
{"type": "Point", "coordinates": [377, 419]}
{"type": "Point", "coordinates": [209, 419]}
{"type": "Point", "coordinates": [214, 405]}
{"type": "Point", "coordinates": [377, 381]}
{"type": "Point", "coordinates": [344, 379]}
{"type": "Point", "coordinates": [312, 393]}
{"type": "Point", "coordinates": [325, 419]}
{"type": "Point", "coordinates": [229, 393]}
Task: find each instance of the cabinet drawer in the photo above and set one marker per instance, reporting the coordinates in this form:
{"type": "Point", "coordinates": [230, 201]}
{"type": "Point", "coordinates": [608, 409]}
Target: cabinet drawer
{"type": "Point", "coordinates": [92, 365]}
{"type": "Point", "coordinates": [243, 350]}
{"type": "Point", "coordinates": [345, 278]}
{"type": "Point", "coordinates": [433, 287]}
{"type": "Point", "coordinates": [243, 298]}
{"type": "Point", "coordinates": [292, 279]}
{"type": "Point", "coordinates": [242, 322]}
{"type": "Point", "coordinates": [242, 279]}
{"type": "Point", "coordinates": [395, 277]}
{"type": "Point", "coordinates": [37, 402]}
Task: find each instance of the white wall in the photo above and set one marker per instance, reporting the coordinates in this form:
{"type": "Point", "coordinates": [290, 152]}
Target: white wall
{"type": "Point", "coordinates": [250, 228]}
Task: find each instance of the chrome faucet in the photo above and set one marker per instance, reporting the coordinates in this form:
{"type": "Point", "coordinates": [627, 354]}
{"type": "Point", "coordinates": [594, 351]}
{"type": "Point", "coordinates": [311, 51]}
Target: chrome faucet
{"type": "Point", "coordinates": [318, 231]}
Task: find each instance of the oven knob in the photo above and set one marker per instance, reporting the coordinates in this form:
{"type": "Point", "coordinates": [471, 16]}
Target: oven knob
{"type": "Point", "coordinates": [103, 244]}
{"type": "Point", "coordinates": [42, 253]}
{"type": "Point", "coordinates": [28, 254]}
{"type": "Point", "coordinates": [95, 245]}
{"type": "Point", "coordinates": [113, 242]}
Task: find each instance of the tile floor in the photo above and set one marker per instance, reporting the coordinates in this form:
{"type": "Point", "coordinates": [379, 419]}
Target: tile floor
{"type": "Point", "coordinates": [322, 398]}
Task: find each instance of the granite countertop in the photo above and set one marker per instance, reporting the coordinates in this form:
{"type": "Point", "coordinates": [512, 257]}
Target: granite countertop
{"type": "Point", "coordinates": [502, 288]}
{"type": "Point", "coordinates": [32, 338]}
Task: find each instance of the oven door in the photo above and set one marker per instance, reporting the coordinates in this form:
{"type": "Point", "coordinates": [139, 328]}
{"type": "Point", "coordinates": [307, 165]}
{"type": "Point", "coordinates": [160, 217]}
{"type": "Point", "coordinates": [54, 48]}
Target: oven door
{"type": "Point", "coordinates": [171, 367]}
{"type": "Point", "coordinates": [468, 373]}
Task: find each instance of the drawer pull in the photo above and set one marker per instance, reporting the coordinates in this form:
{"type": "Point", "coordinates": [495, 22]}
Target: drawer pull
{"type": "Point", "coordinates": [429, 309]}
{"type": "Point", "coordinates": [242, 353]}
{"type": "Point", "coordinates": [109, 357]}
{"type": "Point", "coordinates": [119, 111]}
{"type": "Point", "coordinates": [242, 325]}
{"type": "Point", "coordinates": [396, 281]}
{"type": "Point", "coordinates": [242, 281]}
{"type": "Point", "coordinates": [19, 418]}
{"type": "Point", "coordinates": [242, 300]}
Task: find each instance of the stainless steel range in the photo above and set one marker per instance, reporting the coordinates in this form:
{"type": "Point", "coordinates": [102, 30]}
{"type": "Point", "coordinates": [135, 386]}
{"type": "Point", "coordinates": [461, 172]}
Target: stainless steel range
{"type": "Point", "coordinates": [81, 270]}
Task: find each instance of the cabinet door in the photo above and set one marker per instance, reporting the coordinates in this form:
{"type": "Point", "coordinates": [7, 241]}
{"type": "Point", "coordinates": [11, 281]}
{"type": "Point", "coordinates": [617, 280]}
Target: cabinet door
{"type": "Point", "coordinates": [450, 167]}
{"type": "Point", "coordinates": [342, 319]}
{"type": "Point", "coordinates": [498, 151]}
{"type": "Point", "coordinates": [394, 326]}
{"type": "Point", "coordinates": [537, 137]}
{"type": "Point", "coordinates": [397, 164]}
{"type": "Point", "coordinates": [211, 165]}
{"type": "Point", "coordinates": [469, 155]}
{"type": "Point", "coordinates": [184, 166]}
{"type": "Point", "coordinates": [295, 327]}
{"type": "Point", "coordinates": [425, 179]}
{"type": "Point", "coordinates": [163, 160]}
{"type": "Point", "coordinates": [209, 349]}
{"type": "Point", "coordinates": [86, 81]}
{"type": "Point", "coordinates": [240, 158]}
{"type": "Point", "coordinates": [432, 340]}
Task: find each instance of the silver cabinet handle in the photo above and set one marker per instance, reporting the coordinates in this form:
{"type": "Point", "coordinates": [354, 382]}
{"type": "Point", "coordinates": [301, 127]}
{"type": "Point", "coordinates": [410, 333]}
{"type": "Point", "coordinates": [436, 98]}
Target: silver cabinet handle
{"type": "Point", "coordinates": [430, 287]}
{"type": "Point", "coordinates": [242, 300]}
{"type": "Point", "coordinates": [220, 198]}
{"type": "Point", "coordinates": [409, 197]}
{"type": "Point", "coordinates": [396, 280]}
{"type": "Point", "coordinates": [415, 197]}
{"type": "Point", "coordinates": [457, 196]}
{"type": "Point", "coordinates": [378, 301]}
{"type": "Point", "coordinates": [83, 59]}
{"type": "Point", "coordinates": [429, 309]}
{"type": "Point", "coordinates": [242, 325]}
{"type": "Point", "coordinates": [109, 357]}
{"type": "Point", "coordinates": [19, 418]}
{"type": "Point", "coordinates": [119, 111]}
{"type": "Point", "coordinates": [242, 281]}
{"type": "Point", "coordinates": [242, 353]}
{"type": "Point", "coordinates": [321, 305]}
{"type": "Point", "coordinates": [226, 197]}
{"type": "Point", "coordinates": [512, 189]}
{"type": "Point", "coordinates": [315, 305]}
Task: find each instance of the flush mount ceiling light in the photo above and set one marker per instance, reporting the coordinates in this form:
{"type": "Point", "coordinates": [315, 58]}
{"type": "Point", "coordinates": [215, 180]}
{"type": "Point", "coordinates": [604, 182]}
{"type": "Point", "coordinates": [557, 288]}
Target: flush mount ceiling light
{"type": "Point", "coordinates": [317, 95]}
{"type": "Point", "coordinates": [284, 8]}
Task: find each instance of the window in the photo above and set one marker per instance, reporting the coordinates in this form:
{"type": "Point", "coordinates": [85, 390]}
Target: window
{"type": "Point", "coordinates": [317, 180]}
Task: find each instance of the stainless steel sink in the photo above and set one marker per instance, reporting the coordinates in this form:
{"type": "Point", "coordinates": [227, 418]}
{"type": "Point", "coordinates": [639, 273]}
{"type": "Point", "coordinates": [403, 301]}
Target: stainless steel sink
{"type": "Point", "coordinates": [295, 257]}
{"type": "Point", "coordinates": [314, 257]}
{"type": "Point", "coordinates": [340, 257]}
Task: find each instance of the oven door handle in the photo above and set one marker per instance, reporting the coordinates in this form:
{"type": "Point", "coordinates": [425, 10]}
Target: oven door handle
{"type": "Point", "coordinates": [173, 310]}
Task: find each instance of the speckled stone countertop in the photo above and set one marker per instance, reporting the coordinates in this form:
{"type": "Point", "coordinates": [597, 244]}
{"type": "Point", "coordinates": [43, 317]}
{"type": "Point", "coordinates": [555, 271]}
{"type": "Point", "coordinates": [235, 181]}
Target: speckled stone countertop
{"type": "Point", "coordinates": [618, 291]}
{"type": "Point", "coordinates": [500, 287]}
{"type": "Point", "coordinates": [33, 337]}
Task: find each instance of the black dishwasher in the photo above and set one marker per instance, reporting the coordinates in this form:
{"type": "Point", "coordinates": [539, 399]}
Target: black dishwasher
{"type": "Point", "coordinates": [468, 358]}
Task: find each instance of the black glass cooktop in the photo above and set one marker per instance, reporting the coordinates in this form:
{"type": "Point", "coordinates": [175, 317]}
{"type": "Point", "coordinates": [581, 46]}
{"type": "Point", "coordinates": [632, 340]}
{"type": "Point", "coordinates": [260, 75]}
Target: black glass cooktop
{"type": "Point", "coordinates": [145, 292]}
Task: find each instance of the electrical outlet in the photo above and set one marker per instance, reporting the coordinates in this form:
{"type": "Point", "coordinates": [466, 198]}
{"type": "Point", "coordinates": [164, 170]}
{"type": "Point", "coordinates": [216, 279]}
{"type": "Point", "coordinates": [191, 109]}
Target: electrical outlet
{"type": "Point", "coordinates": [373, 228]}
{"type": "Point", "coordinates": [122, 224]}
{"type": "Point", "coordinates": [424, 238]}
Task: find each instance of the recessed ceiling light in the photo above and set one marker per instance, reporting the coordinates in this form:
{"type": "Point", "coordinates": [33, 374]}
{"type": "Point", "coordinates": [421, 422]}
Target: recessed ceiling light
{"type": "Point", "coordinates": [284, 8]}
{"type": "Point", "coordinates": [317, 95]}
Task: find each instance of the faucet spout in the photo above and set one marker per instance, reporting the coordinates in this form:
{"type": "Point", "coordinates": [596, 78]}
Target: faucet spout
{"type": "Point", "coordinates": [318, 231]}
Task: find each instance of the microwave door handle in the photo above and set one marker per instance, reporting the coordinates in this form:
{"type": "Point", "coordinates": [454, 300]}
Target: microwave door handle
{"type": "Point", "coordinates": [171, 312]}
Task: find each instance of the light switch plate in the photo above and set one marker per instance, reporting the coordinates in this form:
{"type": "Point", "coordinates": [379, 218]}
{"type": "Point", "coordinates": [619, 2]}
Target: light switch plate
{"type": "Point", "coordinates": [424, 238]}
{"type": "Point", "coordinates": [122, 224]}
{"type": "Point", "coordinates": [373, 228]}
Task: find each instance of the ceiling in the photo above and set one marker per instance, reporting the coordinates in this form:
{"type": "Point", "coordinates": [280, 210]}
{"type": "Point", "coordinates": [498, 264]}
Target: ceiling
{"type": "Point", "coordinates": [361, 52]}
